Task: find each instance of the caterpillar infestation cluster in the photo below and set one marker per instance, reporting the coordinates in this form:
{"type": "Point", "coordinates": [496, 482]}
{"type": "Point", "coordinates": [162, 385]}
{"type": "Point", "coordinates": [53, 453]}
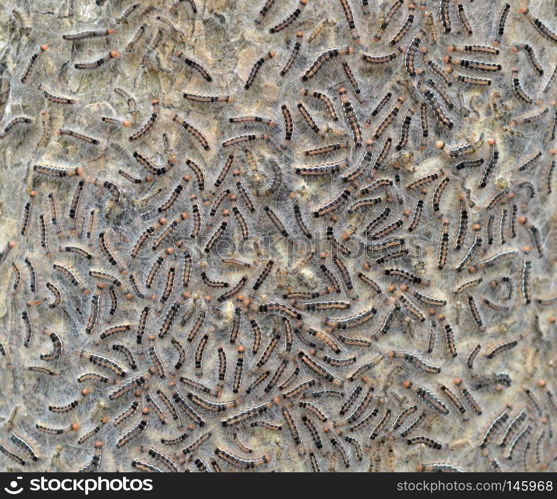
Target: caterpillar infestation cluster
{"type": "Point", "coordinates": [278, 236]}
